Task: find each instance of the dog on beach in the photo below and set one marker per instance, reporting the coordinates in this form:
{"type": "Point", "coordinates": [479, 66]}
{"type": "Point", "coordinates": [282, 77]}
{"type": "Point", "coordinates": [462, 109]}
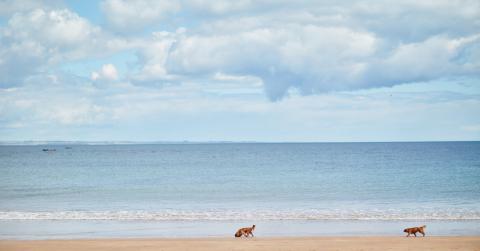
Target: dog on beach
{"type": "Point", "coordinates": [415, 230]}
{"type": "Point", "coordinates": [246, 231]}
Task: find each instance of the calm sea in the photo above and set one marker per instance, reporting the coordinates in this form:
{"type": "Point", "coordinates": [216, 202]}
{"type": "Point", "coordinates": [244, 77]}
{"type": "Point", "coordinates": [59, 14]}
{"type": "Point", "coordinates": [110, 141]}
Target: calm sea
{"type": "Point", "coordinates": [285, 188]}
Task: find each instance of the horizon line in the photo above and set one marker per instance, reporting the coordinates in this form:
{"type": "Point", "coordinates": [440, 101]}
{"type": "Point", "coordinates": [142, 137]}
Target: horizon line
{"type": "Point", "coordinates": [166, 142]}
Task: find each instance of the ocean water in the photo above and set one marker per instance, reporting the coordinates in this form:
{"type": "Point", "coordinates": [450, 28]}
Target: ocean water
{"type": "Point", "coordinates": [286, 189]}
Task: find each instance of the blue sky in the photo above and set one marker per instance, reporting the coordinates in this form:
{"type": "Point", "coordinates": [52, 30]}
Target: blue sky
{"type": "Point", "coordinates": [239, 70]}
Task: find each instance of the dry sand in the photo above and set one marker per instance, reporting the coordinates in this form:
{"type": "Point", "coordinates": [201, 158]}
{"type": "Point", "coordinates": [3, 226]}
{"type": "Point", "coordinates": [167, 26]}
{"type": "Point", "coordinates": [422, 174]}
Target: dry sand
{"type": "Point", "coordinates": [212, 244]}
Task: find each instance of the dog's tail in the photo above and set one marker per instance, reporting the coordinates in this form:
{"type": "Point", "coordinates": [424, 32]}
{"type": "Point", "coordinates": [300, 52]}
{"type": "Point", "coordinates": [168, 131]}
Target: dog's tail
{"type": "Point", "coordinates": [238, 234]}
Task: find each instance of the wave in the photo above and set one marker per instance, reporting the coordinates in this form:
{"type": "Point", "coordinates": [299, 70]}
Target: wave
{"type": "Point", "coordinates": [169, 215]}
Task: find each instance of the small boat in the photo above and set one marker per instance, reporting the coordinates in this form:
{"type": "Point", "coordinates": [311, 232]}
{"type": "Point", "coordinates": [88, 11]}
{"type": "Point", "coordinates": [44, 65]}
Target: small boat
{"type": "Point", "coordinates": [49, 149]}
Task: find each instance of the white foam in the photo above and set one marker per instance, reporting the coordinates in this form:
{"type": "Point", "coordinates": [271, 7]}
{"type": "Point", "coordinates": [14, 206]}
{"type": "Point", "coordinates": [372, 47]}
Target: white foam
{"type": "Point", "coordinates": [227, 215]}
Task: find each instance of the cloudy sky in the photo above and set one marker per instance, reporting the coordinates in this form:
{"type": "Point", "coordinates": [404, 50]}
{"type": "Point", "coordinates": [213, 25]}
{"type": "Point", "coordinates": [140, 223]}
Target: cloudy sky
{"type": "Point", "coordinates": [244, 70]}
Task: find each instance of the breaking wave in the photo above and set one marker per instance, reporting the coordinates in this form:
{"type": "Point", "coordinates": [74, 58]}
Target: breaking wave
{"type": "Point", "coordinates": [169, 215]}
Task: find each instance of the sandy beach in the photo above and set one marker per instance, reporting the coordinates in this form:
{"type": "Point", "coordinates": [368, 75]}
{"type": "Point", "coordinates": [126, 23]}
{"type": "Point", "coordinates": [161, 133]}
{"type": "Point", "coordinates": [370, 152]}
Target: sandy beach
{"type": "Point", "coordinates": [212, 244]}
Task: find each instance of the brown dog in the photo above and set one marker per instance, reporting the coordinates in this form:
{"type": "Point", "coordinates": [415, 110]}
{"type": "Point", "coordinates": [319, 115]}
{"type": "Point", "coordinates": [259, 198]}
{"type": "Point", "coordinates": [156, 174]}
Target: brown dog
{"type": "Point", "coordinates": [414, 230]}
{"type": "Point", "coordinates": [246, 231]}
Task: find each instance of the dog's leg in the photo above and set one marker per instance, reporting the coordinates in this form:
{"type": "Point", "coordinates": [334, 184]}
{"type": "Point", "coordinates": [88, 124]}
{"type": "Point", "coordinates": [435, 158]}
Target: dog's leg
{"type": "Point", "coordinates": [415, 233]}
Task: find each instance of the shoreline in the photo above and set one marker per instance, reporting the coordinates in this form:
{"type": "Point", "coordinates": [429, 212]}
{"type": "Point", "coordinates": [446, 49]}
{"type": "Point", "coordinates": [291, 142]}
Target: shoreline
{"type": "Point", "coordinates": [257, 243]}
{"type": "Point", "coordinates": [105, 229]}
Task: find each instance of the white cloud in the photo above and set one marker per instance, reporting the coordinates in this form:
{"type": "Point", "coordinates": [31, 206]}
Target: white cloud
{"type": "Point", "coordinates": [414, 21]}
{"type": "Point", "coordinates": [310, 58]}
{"type": "Point", "coordinates": [59, 31]}
{"type": "Point", "coordinates": [129, 15]}
{"type": "Point", "coordinates": [204, 60]}
{"type": "Point", "coordinates": [152, 56]}
{"type": "Point", "coordinates": [434, 58]}
{"type": "Point", "coordinates": [107, 72]}
{"type": "Point", "coordinates": [10, 7]}
{"type": "Point", "coordinates": [221, 7]}
{"type": "Point", "coordinates": [312, 47]}
{"type": "Point", "coordinates": [40, 39]}
{"type": "Point", "coordinates": [316, 59]}
{"type": "Point", "coordinates": [143, 113]}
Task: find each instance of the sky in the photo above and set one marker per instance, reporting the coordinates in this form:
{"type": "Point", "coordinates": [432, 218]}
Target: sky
{"type": "Point", "coordinates": [244, 70]}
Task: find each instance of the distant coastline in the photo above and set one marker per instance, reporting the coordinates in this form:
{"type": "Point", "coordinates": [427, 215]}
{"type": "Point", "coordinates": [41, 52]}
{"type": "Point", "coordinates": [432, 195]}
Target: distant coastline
{"type": "Point", "coordinates": [80, 142]}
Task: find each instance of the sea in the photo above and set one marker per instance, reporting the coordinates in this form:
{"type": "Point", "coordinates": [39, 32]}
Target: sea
{"type": "Point", "coordinates": [69, 191]}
